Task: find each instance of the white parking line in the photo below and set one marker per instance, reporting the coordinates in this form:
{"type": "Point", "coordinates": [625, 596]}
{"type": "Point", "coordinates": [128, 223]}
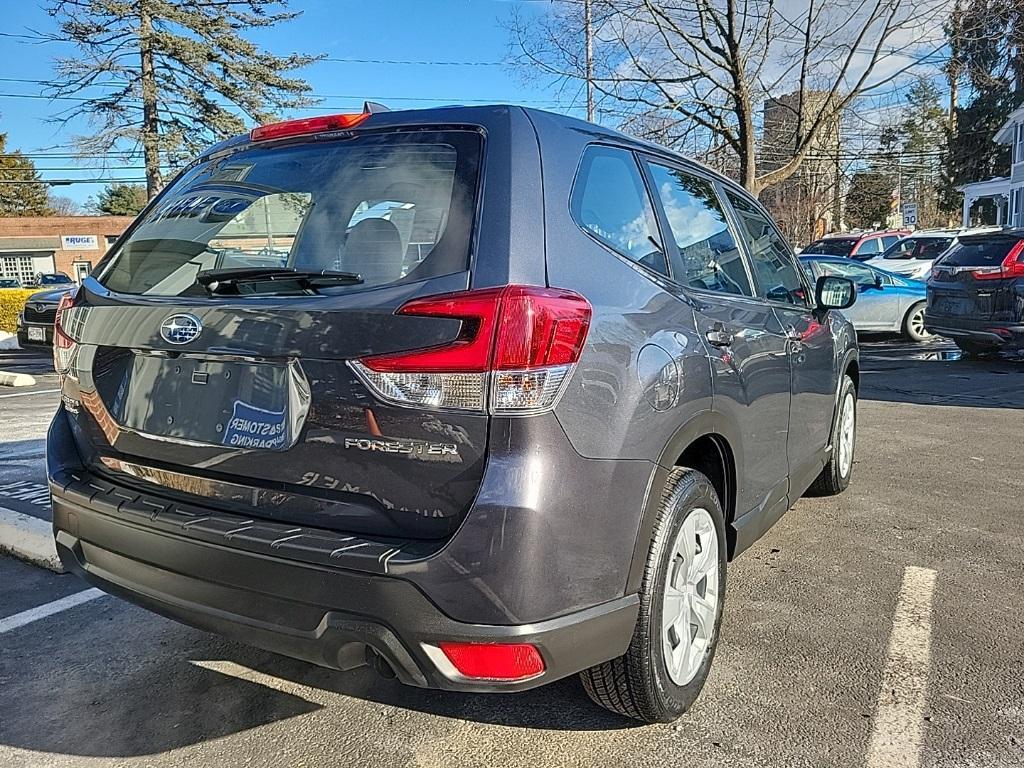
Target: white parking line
{"type": "Point", "coordinates": [37, 392]}
{"type": "Point", "coordinates": [235, 670]}
{"type": "Point", "coordinates": [42, 611]}
{"type": "Point", "coordinates": [898, 724]}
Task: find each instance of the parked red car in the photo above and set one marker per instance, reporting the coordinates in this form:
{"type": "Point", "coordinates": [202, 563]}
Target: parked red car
{"type": "Point", "coordinates": [856, 245]}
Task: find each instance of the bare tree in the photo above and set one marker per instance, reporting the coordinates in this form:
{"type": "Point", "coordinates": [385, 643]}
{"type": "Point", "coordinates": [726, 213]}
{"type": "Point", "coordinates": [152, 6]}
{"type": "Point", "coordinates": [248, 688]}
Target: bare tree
{"type": "Point", "coordinates": [698, 72]}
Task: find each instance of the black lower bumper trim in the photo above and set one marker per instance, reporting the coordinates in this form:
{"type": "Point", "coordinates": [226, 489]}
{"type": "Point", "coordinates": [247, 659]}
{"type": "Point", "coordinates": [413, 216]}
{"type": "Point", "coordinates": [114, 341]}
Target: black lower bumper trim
{"type": "Point", "coordinates": [313, 612]}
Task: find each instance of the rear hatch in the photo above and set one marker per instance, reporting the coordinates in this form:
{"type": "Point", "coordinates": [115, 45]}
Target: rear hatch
{"type": "Point", "coordinates": [210, 351]}
{"type": "Point", "coordinates": [977, 279]}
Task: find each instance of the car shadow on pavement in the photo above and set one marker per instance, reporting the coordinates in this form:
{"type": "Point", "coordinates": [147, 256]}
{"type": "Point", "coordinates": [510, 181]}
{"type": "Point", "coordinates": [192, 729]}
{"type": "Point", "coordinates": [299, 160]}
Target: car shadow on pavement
{"type": "Point", "coordinates": [560, 706]}
{"type": "Point", "coordinates": [116, 681]}
{"type": "Point", "coordinates": [936, 374]}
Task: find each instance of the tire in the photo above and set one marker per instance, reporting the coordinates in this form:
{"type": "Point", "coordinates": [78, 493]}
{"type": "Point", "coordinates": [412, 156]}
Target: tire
{"type": "Point", "coordinates": [974, 349]}
{"type": "Point", "coordinates": [913, 323]}
{"type": "Point", "coordinates": [835, 476]}
{"type": "Point", "coordinates": [639, 684]}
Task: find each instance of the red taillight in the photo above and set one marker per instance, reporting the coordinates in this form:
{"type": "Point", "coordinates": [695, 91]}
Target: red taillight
{"type": "Point", "coordinates": [513, 355]}
{"type": "Point", "coordinates": [493, 661]}
{"type": "Point", "coordinates": [510, 328]}
{"type": "Point", "coordinates": [63, 344]}
{"type": "Point", "coordinates": [1012, 266]}
{"type": "Point", "coordinates": [538, 327]}
{"type": "Point", "coordinates": [307, 125]}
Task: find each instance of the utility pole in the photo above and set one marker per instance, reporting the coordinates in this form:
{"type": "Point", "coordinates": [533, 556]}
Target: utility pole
{"type": "Point", "coordinates": [588, 33]}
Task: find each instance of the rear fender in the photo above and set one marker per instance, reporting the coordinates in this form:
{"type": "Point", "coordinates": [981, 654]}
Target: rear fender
{"type": "Point", "coordinates": [702, 424]}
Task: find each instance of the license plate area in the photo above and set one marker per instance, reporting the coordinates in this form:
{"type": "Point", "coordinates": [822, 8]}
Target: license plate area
{"type": "Point", "coordinates": [236, 404]}
{"type": "Point", "coordinates": [36, 334]}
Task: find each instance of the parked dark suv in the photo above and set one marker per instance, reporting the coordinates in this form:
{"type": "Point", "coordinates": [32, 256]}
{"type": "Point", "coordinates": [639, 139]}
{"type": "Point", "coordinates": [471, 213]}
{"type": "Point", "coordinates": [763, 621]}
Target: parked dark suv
{"type": "Point", "coordinates": [976, 292]}
{"type": "Point", "coordinates": [484, 397]}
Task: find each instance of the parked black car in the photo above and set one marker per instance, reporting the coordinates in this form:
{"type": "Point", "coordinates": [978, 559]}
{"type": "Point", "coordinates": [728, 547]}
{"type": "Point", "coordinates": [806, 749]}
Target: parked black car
{"type": "Point", "coordinates": [35, 322]}
{"type": "Point", "coordinates": [344, 394]}
{"type": "Point", "coordinates": [976, 293]}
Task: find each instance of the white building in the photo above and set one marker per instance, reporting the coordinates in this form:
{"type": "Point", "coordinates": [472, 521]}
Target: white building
{"type": "Point", "coordinates": [1006, 193]}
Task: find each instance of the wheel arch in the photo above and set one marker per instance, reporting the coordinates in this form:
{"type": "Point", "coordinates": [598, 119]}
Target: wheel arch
{"type": "Point", "coordinates": [708, 443]}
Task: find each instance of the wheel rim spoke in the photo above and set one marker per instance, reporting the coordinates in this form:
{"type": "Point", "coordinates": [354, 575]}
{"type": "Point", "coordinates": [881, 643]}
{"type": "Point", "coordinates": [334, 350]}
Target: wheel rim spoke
{"type": "Point", "coordinates": [691, 597]}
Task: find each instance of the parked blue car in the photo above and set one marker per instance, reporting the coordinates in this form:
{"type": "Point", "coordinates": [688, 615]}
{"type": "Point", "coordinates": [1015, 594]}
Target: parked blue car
{"type": "Point", "coordinates": [885, 301]}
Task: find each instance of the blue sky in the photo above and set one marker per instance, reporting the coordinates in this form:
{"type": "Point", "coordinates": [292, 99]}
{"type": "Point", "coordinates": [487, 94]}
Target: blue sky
{"type": "Point", "coordinates": [407, 30]}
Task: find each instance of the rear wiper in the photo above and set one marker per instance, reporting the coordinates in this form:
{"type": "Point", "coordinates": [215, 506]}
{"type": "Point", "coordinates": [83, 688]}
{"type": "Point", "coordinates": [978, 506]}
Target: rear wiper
{"type": "Point", "coordinates": [214, 280]}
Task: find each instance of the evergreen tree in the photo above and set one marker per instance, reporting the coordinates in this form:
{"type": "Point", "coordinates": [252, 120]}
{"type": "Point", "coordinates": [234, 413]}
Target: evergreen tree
{"type": "Point", "coordinates": [987, 43]}
{"type": "Point", "coordinates": [921, 135]}
{"type": "Point", "coordinates": [21, 191]}
{"type": "Point", "coordinates": [119, 199]}
{"type": "Point", "coordinates": [869, 198]}
{"type": "Point", "coordinates": [172, 75]}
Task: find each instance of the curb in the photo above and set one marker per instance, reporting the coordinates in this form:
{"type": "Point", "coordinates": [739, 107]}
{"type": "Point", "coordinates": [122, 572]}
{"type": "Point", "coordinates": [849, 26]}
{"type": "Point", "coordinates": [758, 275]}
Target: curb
{"type": "Point", "coordinates": [16, 379]}
{"type": "Point", "coordinates": [28, 538]}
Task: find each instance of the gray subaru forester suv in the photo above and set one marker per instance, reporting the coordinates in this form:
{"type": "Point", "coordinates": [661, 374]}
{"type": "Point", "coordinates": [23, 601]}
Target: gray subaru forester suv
{"type": "Point", "coordinates": [483, 397]}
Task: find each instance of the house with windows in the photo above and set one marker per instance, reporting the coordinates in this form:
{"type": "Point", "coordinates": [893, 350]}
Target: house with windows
{"type": "Point", "coordinates": [1007, 193]}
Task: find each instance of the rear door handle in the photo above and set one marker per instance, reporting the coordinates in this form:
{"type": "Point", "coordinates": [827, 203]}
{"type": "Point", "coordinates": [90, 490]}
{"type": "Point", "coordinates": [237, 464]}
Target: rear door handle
{"type": "Point", "coordinates": [719, 337]}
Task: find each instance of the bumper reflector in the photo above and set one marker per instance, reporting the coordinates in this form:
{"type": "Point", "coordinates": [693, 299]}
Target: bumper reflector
{"type": "Point", "coordinates": [492, 661]}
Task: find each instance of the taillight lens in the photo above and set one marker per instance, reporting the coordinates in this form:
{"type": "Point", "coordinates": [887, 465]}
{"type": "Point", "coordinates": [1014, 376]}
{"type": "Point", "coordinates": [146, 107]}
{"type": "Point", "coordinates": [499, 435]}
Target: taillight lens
{"type": "Point", "coordinates": [494, 661]}
{"type": "Point", "coordinates": [64, 345]}
{"type": "Point", "coordinates": [513, 355]}
{"type": "Point", "coordinates": [1012, 266]}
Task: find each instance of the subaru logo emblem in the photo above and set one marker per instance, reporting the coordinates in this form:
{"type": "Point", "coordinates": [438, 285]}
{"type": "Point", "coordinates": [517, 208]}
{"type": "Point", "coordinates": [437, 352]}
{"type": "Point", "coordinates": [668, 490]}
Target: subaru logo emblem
{"type": "Point", "coordinates": [40, 308]}
{"type": "Point", "coordinates": [180, 329]}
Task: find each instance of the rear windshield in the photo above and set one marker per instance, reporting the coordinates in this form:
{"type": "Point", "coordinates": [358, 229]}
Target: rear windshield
{"type": "Point", "coordinates": [389, 207]}
{"type": "Point", "coordinates": [923, 248]}
{"type": "Point", "coordinates": [832, 246]}
{"type": "Point", "coordinates": [980, 252]}
{"type": "Point", "coordinates": [54, 280]}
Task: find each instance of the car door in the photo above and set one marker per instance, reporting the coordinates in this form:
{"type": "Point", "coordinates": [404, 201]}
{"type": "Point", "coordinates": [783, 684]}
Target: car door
{"type": "Point", "coordinates": [780, 282]}
{"type": "Point", "coordinates": [745, 341]}
{"type": "Point", "coordinates": [878, 305]}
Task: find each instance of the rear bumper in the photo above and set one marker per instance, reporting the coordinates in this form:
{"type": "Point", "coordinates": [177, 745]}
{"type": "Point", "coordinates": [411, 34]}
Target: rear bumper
{"type": "Point", "coordinates": [316, 594]}
{"type": "Point", "coordinates": [314, 613]}
{"type": "Point", "coordinates": [981, 331]}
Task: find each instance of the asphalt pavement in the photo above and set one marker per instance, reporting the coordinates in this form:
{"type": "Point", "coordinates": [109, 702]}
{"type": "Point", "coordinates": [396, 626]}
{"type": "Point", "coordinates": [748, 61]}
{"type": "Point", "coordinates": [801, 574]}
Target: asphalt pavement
{"type": "Point", "coordinates": [878, 628]}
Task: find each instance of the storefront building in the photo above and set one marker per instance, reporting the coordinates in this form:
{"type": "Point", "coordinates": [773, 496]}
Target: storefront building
{"type": "Point", "coordinates": [32, 245]}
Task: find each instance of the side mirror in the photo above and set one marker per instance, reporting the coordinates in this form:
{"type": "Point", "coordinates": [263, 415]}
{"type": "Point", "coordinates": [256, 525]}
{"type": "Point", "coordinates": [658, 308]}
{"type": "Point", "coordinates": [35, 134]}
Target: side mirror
{"type": "Point", "coordinates": [834, 292]}
{"type": "Point", "coordinates": [878, 282]}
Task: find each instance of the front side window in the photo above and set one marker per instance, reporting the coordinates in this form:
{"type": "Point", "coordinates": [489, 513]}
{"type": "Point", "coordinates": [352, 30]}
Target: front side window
{"type": "Point", "coordinates": [709, 256]}
{"type": "Point", "coordinates": [387, 207]}
{"type": "Point", "coordinates": [921, 248]}
{"type": "Point", "coordinates": [777, 276]}
{"type": "Point", "coordinates": [609, 200]}
{"type": "Point", "coordinates": [832, 246]}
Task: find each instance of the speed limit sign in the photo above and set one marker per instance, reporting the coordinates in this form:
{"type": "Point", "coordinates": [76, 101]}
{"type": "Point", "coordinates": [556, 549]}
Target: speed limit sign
{"type": "Point", "coordinates": [910, 214]}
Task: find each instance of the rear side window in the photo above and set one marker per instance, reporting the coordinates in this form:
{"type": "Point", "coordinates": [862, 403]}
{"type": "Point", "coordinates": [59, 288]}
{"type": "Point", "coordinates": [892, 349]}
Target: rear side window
{"type": "Point", "coordinates": [870, 245]}
{"type": "Point", "coordinates": [888, 240]}
{"type": "Point", "coordinates": [710, 258]}
{"type": "Point", "coordinates": [389, 207]}
{"type": "Point", "coordinates": [777, 274]}
{"type": "Point", "coordinates": [609, 200]}
{"type": "Point", "coordinates": [980, 252]}
{"type": "Point", "coordinates": [851, 270]}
